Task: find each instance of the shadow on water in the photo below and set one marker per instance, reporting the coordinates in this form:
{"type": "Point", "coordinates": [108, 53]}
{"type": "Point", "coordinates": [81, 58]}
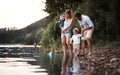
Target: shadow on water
{"type": "Point", "coordinates": [52, 64]}
{"type": "Point", "coordinates": [60, 64]}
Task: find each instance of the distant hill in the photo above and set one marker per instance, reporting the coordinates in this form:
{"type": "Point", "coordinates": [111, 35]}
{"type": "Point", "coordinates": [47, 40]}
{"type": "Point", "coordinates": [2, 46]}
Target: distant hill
{"type": "Point", "coordinates": [25, 35]}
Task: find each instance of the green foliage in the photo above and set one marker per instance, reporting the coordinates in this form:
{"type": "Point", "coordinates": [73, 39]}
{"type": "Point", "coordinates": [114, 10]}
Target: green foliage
{"type": "Point", "coordinates": [5, 33]}
{"type": "Point", "coordinates": [26, 35]}
{"type": "Point", "coordinates": [50, 37]}
{"type": "Point", "coordinates": [38, 34]}
{"type": "Point", "coordinates": [104, 14]}
{"type": "Point", "coordinates": [55, 7]}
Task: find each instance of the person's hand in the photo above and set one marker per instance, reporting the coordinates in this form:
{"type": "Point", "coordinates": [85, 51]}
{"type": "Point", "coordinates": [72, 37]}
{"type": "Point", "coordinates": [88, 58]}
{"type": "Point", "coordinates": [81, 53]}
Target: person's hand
{"type": "Point", "coordinates": [62, 31]}
{"type": "Point", "coordinates": [82, 33]}
{"type": "Point", "coordinates": [84, 29]}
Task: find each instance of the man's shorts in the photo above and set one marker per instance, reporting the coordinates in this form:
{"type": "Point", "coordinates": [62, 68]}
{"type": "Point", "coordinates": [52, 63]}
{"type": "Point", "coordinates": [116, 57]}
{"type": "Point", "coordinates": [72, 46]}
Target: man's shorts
{"type": "Point", "coordinates": [87, 34]}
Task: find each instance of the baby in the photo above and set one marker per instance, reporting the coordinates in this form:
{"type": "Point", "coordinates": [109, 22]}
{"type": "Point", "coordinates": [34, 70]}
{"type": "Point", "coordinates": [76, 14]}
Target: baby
{"type": "Point", "coordinates": [61, 23]}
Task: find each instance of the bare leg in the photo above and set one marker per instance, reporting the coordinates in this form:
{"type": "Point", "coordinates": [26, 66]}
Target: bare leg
{"type": "Point", "coordinates": [68, 45]}
{"type": "Point", "coordinates": [68, 63]}
{"type": "Point", "coordinates": [63, 65]}
{"type": "Point", "coordinates": [64, 46]}
{"type": "Point", "coordinates": [78, 50]}
{"type": "Point", "coordinates": [89, 46]}
{"type": "Point", "coordinates": [83, 47]}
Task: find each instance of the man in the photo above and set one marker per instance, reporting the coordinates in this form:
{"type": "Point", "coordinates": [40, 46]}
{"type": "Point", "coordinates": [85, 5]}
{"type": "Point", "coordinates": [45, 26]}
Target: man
{"type": "Point", "coordinates": [87, 28]}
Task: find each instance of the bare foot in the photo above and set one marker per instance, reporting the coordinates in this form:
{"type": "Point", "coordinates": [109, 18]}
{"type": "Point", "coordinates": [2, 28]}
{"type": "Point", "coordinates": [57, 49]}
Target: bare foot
{"type": "Point", "coordinates": [89, 54]}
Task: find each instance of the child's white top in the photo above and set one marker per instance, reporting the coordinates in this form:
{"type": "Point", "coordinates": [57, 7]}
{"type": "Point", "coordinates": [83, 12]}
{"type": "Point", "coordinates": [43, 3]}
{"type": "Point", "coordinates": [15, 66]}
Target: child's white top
{"type": "Point", "coordinates": [76, 38]}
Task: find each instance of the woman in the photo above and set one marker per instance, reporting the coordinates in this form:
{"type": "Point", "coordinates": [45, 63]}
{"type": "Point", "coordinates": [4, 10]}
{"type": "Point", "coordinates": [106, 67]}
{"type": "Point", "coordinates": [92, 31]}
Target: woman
{"type": "Point", "coordinates": [66, 32]}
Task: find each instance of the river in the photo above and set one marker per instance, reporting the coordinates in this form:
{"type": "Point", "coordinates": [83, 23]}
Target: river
{"type": "Point", "coordinates": [27, 60]}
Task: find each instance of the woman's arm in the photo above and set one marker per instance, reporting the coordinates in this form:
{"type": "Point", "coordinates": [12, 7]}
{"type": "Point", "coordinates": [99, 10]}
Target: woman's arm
{"type": "Point", "coordinates": [70, 24]}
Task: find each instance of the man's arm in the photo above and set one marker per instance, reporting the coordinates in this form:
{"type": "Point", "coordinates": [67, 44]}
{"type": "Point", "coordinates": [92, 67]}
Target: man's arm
{"type": "Point", "coordinates": [82, 30]}
{"type": "Point", "coordinates": [90, 24]}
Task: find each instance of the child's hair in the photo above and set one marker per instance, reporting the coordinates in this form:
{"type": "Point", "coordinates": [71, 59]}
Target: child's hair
{"type": "Point", "coordinates": [76, 30]}
{"type": "Point", "coordinates": [61, 17]}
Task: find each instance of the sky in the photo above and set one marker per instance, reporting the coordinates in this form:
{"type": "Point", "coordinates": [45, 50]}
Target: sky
{"type": "Point", "coordinates": [21, 13]}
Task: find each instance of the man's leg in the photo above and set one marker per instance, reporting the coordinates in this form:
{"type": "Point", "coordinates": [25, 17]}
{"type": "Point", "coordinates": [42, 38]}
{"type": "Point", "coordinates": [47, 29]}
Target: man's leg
{"type": "Point", "coordinates": [83, 47]}
{"type": "Point", "coordinates": [89, 46]}
{"type": "Point", "coordinates": [88, 39]}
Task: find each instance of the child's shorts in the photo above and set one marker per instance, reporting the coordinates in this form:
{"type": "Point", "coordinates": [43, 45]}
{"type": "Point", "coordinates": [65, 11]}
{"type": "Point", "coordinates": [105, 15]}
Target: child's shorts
{"type": "Point", "coordinates": [76, 48]}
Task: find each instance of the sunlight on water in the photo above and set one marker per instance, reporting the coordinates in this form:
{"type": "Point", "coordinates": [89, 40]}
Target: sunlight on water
{"type": "Point", "coordinates": [18, 60]}
{"type": "Point", "coordinates": [20, 66]}
{"type": "Point", "coordinates": [17, 45]}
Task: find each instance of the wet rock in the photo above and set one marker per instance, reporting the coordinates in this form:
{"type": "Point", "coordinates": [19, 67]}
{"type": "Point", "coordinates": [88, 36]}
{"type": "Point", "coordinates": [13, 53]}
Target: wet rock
{"type": "Point", "coordinates": [103, 62]}
{"type": "Point", "coordinates": [115, 60]}
{"type": "Point", "coordinates": [118, 70]}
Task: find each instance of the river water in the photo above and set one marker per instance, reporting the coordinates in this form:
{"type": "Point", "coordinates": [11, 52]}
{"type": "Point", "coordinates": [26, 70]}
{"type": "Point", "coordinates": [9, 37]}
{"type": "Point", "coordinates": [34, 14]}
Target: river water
{"type": "Point", "coordinates": [26, 60]}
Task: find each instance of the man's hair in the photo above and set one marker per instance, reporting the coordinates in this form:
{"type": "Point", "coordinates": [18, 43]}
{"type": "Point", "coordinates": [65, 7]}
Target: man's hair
{"type": "Point", "coordinates": [77, 14]}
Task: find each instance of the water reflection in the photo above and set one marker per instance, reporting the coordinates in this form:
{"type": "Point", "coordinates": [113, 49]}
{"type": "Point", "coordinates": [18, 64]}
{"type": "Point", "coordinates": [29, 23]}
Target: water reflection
{"type": "Point", "coordinates": [65, 68]}
{"type": "Point", "coordinates": [70, 66]}
{"type": "Point", "coordinates": [76, 65]}
{"type": "Point", "coordinates": [20, 66]}
{"type": "Point", "coordinates": [20, 61]}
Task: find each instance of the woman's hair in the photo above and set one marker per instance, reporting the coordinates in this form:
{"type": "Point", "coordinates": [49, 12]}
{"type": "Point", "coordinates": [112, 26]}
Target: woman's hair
{"type": "Point", "coordinates": [68, 12]}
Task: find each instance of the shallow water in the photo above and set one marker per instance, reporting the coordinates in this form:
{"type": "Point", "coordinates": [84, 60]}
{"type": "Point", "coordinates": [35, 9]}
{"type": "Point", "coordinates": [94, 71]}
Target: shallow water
{"type": "Point", "coordinates": [19, 61]}
{"type": "Point", "coordinates": [30, 61]}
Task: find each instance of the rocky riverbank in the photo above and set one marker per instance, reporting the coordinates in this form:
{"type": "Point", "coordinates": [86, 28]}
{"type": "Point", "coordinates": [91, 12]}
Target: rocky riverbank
{"type": "Point", "coordinates": [102, 62]}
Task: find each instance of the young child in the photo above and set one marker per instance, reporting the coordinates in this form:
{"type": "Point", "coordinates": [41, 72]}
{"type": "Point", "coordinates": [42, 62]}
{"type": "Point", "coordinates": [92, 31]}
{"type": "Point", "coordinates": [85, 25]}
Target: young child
{"type": "Point", "coordinates": [76, 42]}
{"type": "Point", "coordinates": [61, 23]}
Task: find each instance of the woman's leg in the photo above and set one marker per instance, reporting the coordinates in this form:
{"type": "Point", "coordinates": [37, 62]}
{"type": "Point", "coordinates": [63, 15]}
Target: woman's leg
{"type": "Point", "coordinates": [68, 63]}
{"type": "Point", "coordinates": [63, 65]}
{"type": "Point", "coordinates": [68, 45]}
{"type": "Point", "coordinates": [64, 45]}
